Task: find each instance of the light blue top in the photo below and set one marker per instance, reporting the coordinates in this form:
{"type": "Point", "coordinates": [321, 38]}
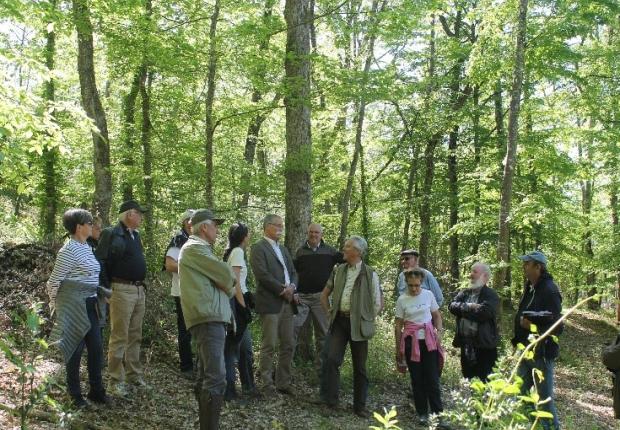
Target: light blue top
{"type": "Point", "coordinates": [429, 283]}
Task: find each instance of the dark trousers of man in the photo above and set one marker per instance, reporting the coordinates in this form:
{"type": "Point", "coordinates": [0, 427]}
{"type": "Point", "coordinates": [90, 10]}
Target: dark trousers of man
{"type": "Point", "coordinates": [92, 342]}
{"type": "Point", "coordinates": [336, 344]}
{"type": "Point", "coordinates": [184, 339]}
{"type": "Point", "coordinates": [246, 362]}
{"type": "Point", "coordinates": [211, 382]}
{"type": "Point", "coordinates": [482, 366]}
{"type": "Point", "coordinates": [424, 379]}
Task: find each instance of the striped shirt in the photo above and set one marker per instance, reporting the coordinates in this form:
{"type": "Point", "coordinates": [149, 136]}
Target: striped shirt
{"type": "Point", "coordinates": [75, 262]}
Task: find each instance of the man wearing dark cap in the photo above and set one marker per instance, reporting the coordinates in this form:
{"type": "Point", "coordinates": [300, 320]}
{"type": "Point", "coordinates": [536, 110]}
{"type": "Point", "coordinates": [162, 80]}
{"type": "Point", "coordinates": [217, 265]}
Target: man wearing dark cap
{"type": "Point", "coordinates": [409, 261]}
{"type": "Point", "coordinates": [541, 305]}
{"type": "Point", "coordinates": [171, 264]}
{"type": "Point", "coordinates": [123, 269]}
{"type": "Point", "coordinates": [206, 284]}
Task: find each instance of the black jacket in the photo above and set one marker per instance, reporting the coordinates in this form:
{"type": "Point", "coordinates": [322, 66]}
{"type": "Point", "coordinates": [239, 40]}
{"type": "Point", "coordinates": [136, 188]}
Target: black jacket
{"type": "Point", "coordinates": [120, 256]}
{"type": "Point", "coordinates": [485, 315]}
{"type": "Point", "coordinates": [544, 296]}
{"type": "Point", "coordinates": [315, 267]}
{"type": "Point", "coordinates": [611, 359]}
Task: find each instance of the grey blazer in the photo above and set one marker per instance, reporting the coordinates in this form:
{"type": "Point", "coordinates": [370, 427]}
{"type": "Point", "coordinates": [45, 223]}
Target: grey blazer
{"type": "Point", "coordinates": [269, 275]}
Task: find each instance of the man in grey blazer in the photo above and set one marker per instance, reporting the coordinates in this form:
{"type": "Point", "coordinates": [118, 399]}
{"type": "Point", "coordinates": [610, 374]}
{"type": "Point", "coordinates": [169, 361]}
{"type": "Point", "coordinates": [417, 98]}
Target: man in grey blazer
{"type": "Point", "coordinates": [276, 281]}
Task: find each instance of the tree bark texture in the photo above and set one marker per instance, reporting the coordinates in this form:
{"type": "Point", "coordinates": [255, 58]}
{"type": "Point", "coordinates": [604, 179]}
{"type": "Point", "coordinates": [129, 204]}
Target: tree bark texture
{"type": "Point", "coordinates": [128, 132]}
{"type": "Point", "coordinates": [147, 160]}
{"type": "Point", "coordinates": [298, 192]}
{"type": "Point", "coordinates": [91, 103]}
{"type": "Point", "coordinates": [209, 118]}
{"type": "Point", "coordinates": [50, 204]}
{"type": "Point", "coordinates": [503, 242]}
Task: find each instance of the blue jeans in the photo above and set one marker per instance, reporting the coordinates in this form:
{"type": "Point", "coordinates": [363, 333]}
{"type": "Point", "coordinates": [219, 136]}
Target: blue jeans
{"type": "Point", "coordinates": [544, 387]}
{"type": "Point", "coordinates": [92, 342]}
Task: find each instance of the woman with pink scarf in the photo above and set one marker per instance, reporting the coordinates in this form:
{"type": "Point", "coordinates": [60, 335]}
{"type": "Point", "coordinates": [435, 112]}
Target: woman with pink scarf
{"type": "Point", "coordinates": [417, 332]}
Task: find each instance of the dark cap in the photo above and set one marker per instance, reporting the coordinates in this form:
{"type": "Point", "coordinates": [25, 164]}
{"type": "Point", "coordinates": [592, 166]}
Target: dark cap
{"type": "Point", "coordinates": [536, 256]}
{"type": "Point", "coordinates": [131, 204]}
{"type": "Point", "coordinates": [409, 252]}
{"type": "Point", "coordinates": [202, 215]}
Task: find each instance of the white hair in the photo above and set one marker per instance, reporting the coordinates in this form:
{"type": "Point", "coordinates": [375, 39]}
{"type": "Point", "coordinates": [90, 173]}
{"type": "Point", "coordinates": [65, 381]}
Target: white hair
{"type": "Point", "coordinates": [123, 216]}
{"type": "Point", "coordinates": [270, 218]}
{"type": "Point", "coordinates": [485, 268]}
{"type": "Point", "coordinates": [360, 244]}
{"type": "Point", "coordinates": [196, 227]}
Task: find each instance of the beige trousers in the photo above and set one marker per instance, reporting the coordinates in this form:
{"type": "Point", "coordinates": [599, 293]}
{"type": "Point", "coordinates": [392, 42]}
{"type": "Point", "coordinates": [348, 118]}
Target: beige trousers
{"type": "Point", "coordinates": [277, 331]}
{"type": "Point", "coordinates": [126, 314]}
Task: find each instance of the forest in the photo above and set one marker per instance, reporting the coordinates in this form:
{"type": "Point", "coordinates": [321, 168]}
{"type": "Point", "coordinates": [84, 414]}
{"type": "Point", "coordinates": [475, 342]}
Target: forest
{"type": "Point", "coordinates": [470, 130]}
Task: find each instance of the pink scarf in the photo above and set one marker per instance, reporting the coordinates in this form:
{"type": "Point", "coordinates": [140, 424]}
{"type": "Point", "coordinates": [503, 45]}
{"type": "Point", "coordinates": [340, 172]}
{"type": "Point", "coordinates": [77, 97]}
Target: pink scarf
{"type": "Point", "coordinates": [411, 329]}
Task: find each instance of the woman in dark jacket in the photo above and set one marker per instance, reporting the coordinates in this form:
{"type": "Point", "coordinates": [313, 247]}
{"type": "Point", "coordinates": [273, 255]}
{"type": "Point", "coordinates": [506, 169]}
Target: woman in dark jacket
{"type": "Point", "coordinates": [477, 333]}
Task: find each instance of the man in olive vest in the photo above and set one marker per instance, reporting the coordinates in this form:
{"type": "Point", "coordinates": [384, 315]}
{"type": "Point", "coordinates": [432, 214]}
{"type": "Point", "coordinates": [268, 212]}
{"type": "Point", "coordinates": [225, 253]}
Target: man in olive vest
{"type": "Point", "coordinates": [356, 301]}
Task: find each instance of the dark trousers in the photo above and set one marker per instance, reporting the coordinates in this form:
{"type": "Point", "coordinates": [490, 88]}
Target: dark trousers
{"type": "Point", "coordinates": [482, 366]}
{"type": "Point", "coordinates": [184, 339]}
{"type": "Point", "coordinates": [246, 362]}
{"type": "Point", "coordinates": [424, 378]}
{"type": "Point", "coordinates": [210, 338]}
{"type": "Point", "coordinates": [231, 358]}
{"type": "Point", "coordinates": [92, 342]}
{"type": "Point", "coordinates": [336, 344]}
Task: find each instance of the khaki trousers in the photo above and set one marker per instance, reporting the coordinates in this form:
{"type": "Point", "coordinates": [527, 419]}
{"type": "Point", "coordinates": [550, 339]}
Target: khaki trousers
{"type": "Point", "coordinates": [310, 306]}
{"type": "Point", "coordinates": [277, 329]}
{"type": "Point", "coordinates": [127, 306]}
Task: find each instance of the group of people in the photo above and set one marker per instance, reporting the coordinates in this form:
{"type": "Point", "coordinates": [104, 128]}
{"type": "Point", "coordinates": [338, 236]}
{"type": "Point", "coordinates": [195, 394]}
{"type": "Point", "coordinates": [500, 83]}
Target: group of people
{"type": "Point", "coordinates": [337, 290]}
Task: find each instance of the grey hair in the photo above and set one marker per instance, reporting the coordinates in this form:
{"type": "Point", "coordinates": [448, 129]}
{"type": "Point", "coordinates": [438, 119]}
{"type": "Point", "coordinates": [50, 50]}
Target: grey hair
{"type": "Point", "coordinates": [196, 227]}
{"type": "Point", "coordinates": [360, 244]}
{"type": "Point", "coordinates": [269, 219]}
{"type": "Point", "coordinates": [484, 267]}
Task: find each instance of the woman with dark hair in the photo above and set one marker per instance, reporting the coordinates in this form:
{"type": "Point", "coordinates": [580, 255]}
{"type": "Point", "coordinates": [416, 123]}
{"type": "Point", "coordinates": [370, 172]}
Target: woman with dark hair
{"type": "Point", "coordinates": [72, 288]}
{"type": "Point", "coordinates": [238, 348]}
{"type": "Point", "coordinates": [417, 332]}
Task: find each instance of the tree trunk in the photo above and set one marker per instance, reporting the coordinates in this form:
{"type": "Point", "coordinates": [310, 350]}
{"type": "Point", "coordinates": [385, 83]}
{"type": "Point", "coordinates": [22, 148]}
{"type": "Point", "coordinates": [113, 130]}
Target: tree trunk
{"type": "Point", "coordinates": [50, 200]}
{"type": "Point", "coordinates": [298, 197]}
{"type": "Point", "coordinates": [361, 103]}
{"type": "Point", "coordinates": [92, 106]}
{"type": "Point", "coordinates": [477, 158]}
{"type": "Point", "coordinates": [365, 191]}
{"type": "Point", "coordinates": [413, 170]}
{"type": "Point", "coordinates": [613, 202]}
{"type": "Point", "coordinates": [210, 123]}
{"type": "Point", "coordinates": [147, 161]}
{"type": "Point", "coordinates": [503, 242]}
{"type": "Point", "coordinates": [128, 133]}
{"type": "Point", "coordinates": [587, 194]}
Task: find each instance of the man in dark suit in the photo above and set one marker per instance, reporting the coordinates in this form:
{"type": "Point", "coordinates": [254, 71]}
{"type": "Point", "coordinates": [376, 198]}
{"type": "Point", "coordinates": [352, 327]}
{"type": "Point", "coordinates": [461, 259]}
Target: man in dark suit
{"type": "Point", "coordinates": [276, 281]}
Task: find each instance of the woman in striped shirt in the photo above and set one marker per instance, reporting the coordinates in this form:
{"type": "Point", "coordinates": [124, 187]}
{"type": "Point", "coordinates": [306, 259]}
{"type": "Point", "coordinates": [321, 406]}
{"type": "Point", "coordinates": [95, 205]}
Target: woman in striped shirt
{"type": "Point", "coordinates": [72, 288]}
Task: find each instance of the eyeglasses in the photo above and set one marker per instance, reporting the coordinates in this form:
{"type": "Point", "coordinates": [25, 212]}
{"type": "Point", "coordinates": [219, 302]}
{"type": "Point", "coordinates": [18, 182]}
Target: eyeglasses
{"type": "Point", "coordinates": [276, 225]}
{"type": "Point", "coordinates": [405, 258]}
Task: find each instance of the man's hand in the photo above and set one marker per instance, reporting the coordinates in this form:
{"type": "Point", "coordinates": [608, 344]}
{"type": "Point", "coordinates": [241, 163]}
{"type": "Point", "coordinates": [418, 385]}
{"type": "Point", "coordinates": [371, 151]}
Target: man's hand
{"type": "Point", "coordinates": [287, 292]}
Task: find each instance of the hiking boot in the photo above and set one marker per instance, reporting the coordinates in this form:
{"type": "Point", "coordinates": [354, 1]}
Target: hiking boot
{"type": "Point", "coordinates": [188, 374]}
{"type": "Point", "coordinates": [362, 413]}
{"type": "Point", "coordinates": [99, 397]}
{"type": "Point", "coordinates": [79, 403]}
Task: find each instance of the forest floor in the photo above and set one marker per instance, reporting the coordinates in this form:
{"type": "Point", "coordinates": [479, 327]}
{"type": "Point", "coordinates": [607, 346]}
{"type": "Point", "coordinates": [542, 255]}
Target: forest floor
{"type": "Point", "coordinates": [583, 387]}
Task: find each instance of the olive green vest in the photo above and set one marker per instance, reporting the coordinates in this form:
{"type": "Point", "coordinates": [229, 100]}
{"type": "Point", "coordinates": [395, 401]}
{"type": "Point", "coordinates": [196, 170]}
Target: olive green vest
{"type": "Point", "coordinates": [362, 301]}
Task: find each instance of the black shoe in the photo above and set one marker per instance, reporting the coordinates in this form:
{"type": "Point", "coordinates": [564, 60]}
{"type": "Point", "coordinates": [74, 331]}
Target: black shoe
{"type": "Point", "coordinates": [362, 413]}
{"type": "Point", "coordinates": [99, 397]}
{"type": "Point", "coordinates": [79, 403]}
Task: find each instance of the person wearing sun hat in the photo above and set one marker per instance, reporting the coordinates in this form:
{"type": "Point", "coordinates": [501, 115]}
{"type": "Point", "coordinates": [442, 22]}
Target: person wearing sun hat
{"type": "Point", "coordinates": [540, 306]}
{"type": "Point", "coordinates": [123, 269]}
{"type": "Point", "coordinates": [206, 285]}
{"type": "Point", "coordinates": [171, 264]}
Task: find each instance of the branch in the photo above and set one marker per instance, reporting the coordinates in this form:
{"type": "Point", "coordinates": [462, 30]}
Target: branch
{"type": "Point", "coordinates": [446, 26]}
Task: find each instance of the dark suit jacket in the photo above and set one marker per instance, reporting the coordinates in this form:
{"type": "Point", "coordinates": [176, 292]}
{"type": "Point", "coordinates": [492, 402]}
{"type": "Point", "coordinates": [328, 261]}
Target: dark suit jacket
{"type": "Point", "coordinates": [269, 275]}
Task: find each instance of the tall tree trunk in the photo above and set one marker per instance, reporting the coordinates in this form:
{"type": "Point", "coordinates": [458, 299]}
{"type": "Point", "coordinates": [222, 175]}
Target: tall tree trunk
{"type": "Point", "coordinates": [411, 179]}
{"type": "Point", "coordinates": [50, 201]}
{"type": "Point", "coordinates": [364, 197]}
{"type": "Point", "coordinates": [147, 160]}
{"type": "Point", "coordinates": [477, 158]}
{"type": "Point", "coordinates": [298, 197]}
{"type": "Point", "coordinates": [503, 242]}
{"type": "Point", "coordinates": [587, 194]}
{"type": "Point", "coordinates": [429, 162]}
{"type": "Point", "coordinates": [613, 201]}
{"type": "Point", "coordinates": [253, 133]}
{"type": "Point", "coordinates": [361, 104]}
{"type": "Point", "coordinates": [128, 132]}
{"type": "Point", "coordinates": [210, 123]}
{"type": "Point", "coordinates": [92, 106]}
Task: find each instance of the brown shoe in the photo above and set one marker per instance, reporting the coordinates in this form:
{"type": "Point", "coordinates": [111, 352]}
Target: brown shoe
{"type": "Point", "coordinates": [362, 413]}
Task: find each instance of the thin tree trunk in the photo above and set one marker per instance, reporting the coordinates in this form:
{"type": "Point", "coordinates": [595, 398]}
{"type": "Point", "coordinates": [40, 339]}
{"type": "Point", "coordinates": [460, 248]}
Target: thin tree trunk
{"type": "Point", "coordinates": [147, 160]}
{"type": "Point", "coordinates": [613, 201]}
{"type": "Point", "coordinates": [361, 103]}
{"type": "Point", "coordinates": [92, 106]}
{"type": "Point", "coordinates": [503, 242]}
{"type": "Point", "coordinates": [477, 158]}
{"type": "Point", "coordinates": [50, 201]}
{"type": "Point", "coordinates": [411, 180]}
{"type": "Point", "coordinates": [210, 123]}
{"type": "Point", "coordinates": [128, 132]}
{"type": "Point", "coordinates": [365, 219]}
{"type": "Point", "coordinates": [298, 197]}
{"type": "Point", "coordinates": [587, 194]}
